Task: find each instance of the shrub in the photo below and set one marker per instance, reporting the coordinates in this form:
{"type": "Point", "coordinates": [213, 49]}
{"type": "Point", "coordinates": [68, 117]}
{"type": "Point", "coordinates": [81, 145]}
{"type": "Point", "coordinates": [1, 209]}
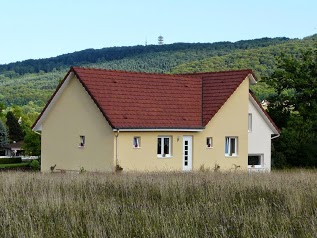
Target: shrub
{"type": "Point", "coordinates": [35, 165]}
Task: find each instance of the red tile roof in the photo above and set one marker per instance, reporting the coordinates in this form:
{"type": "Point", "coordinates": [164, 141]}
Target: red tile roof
{"type": "Point", "coordinates": [217, 88]}
{"type": "Point", "coordinates": [139, 100]}
{"type": "Point", "coordinates": [157, 101]}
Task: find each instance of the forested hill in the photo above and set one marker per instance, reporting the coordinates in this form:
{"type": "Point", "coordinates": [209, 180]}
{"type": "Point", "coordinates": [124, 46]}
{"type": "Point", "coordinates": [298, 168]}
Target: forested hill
{"type": "Point", "coordinates": [117, 53]}
{"type": "Point", "coordinates": [31, 82]}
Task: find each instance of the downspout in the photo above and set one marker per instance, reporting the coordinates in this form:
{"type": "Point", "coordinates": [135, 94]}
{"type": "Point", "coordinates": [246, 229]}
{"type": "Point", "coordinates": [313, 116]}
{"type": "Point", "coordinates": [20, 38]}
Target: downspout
{"type": "Point", "coordinates": [116, 135]}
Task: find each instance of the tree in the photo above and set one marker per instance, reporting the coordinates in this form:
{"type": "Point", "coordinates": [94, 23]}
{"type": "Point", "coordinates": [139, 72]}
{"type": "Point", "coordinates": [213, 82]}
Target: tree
{"type": "Point", "coordinates": [15, 130]}
{"type": "Point", "coordinates": [3, 135]}
{"type": "Point", "coordinates": [294, 108]}
{"type": "Point", "coordinates": [32, 143]}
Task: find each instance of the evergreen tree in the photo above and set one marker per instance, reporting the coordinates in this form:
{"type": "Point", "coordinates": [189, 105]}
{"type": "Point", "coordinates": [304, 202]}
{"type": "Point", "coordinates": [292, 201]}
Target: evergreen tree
{"type": "Point", "coordinates": [15, 130]}
{"type": "Point", "coordinates": [3, 135]}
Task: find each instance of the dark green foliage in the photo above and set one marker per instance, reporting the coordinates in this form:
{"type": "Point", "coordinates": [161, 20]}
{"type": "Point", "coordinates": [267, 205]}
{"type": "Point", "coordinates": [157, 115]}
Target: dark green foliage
{"type": "Point", "coordinates": [12, 160]}
{"type": "Point", "coordinates": [15, 130]}
{"type": "Point", "coordinates": [294, 108]}
{"type": "Point", "coordinates": [35, 165]}
{"type": "Point", "coordinates": [118, 53]}
{"type": "Point", "coordinates": [32, 143]}
{"type": "Point", "coordinates": [3, 135]}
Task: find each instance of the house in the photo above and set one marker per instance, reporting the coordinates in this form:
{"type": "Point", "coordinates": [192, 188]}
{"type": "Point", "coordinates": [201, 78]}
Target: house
{"type": "Point", "coordinates": [100, 120]}
{"type": "Point", "coordinates": [14, 149]}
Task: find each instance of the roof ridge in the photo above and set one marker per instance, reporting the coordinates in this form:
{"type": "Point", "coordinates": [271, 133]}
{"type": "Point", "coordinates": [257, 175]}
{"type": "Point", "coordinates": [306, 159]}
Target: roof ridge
{"type": "Point", "coordinates": [223, 71]}
{"type": "Point", "coordinates": [129, 72]}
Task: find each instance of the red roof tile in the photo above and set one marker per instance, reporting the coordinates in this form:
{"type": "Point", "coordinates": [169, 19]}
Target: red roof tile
{"type": "Point", "coordinates": [157, 101]}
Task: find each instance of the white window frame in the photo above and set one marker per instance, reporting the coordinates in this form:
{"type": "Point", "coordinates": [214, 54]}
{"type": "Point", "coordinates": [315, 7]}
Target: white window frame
{"type": "Point", "coordinates": [250, 122]}
{"type": "Point", "coordinates": [162, 154]}
{"type": "Point", "coordinates": [228, 142]}
{"type": "Point", "coordinates": [209, 143]}
{"type": "Point", "coordinates": [82, 141]}
{"type": "Point", "coordinates": [136, 142]}
{"type": "Point", "coordinates": [261, 165]}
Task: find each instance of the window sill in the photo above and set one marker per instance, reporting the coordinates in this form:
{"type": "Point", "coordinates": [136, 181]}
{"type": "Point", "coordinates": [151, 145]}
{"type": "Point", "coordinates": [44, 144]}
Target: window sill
{"type": "Point", "coordinates": [255, 166]}
{"type": "Point", "coordinates": [209, 147]}
{"type": "Point", "coordinates": [81, 147]}
{"type": "Point", "coordinates": [136, 147]}
{"type": "Point", "coordinates": [164, 157]}
{"type": "Point", "coordinates": [232, 156]}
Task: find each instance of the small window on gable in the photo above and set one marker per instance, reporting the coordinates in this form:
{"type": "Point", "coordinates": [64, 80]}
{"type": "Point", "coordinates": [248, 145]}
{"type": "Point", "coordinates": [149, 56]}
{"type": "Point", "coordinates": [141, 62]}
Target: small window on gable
{"type": "Point", "coordinates": [209, 142]}
{"type": "Point", "coordinates": [231, 146]}
{"type": "Point", "coordinates": [82, 141]}
{"type": "Point", "coordinates": [250, 122]}
{"type": "Point", "coordinates": [136, 142]}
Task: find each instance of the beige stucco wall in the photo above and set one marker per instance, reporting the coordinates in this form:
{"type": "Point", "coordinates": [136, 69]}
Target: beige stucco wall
{"type": "Point", "coordinates": [76, 114]}
{"type": "Point", "coordinates": [231, 120]}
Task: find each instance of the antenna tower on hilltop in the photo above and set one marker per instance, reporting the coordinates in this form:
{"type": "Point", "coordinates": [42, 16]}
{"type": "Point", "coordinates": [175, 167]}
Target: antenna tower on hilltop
{"type": "Point", "coordinates": [160, 40]}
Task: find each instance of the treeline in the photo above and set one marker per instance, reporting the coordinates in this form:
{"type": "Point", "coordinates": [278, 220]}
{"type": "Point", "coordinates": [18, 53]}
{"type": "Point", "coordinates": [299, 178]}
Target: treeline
{"type": "Point", "coordinates": [35, 80]}
{"type": "Point", "coordinates": [117, 53]}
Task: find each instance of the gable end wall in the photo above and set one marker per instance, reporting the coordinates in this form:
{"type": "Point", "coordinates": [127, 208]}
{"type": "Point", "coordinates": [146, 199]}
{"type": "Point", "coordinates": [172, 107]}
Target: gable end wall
{"type": "Point", "coordinates": [73, 115]}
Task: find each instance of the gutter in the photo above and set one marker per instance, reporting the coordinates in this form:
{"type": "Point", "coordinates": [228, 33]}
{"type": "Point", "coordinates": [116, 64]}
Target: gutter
{"type": "Point", "coordinates": [37, 133]}
{"type": "Point", "coordinates": [278, 135]}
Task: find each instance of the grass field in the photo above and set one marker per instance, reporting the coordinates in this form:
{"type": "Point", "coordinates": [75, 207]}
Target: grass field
{"type": "Point", "coordinates": [280, 204]}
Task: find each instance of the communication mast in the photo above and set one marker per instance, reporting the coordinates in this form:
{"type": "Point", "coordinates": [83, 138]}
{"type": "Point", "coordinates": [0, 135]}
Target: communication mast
{"type": "Point", "coordinates": [160, 40]}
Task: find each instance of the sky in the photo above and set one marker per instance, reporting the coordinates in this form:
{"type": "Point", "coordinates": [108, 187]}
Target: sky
{"type": "Point", "coordinates": [36, 29]}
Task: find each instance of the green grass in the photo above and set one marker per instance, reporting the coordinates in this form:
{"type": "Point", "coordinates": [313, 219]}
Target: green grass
{"type": "Point", "coordinates": [15, 165]}
{"type": "Point", "coordinates": [280, 204]}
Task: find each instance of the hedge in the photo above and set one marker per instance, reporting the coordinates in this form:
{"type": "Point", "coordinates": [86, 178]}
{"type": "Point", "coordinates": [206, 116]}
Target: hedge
{"type": "Point", "coordinates": [10, 160]}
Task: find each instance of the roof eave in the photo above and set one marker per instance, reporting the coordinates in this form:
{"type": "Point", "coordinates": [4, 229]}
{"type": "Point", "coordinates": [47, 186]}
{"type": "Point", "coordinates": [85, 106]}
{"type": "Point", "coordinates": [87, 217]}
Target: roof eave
{"type": "Point", "coordinates": [264, 114]}
{"type": "Point", "coordinates": [160, 129]}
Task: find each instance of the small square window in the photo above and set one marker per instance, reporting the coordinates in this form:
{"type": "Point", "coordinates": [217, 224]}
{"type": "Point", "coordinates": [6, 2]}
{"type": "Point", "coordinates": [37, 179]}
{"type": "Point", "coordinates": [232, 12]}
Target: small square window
{"type": "Point", "coordinates": [136, 142]}
{"type": "Point", "coordinates": [209, 142]}
{"type": "Point", "coordinates": [82, 141]}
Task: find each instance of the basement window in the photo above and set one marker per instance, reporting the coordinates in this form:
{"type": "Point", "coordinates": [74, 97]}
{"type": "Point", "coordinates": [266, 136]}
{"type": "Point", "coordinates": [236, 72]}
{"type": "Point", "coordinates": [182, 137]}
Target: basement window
{"type": "Point", "coordinates": [209, 142]}
{"type": "Point", "coordinates": [255, 161]}
{"type": "Point", "coordinates": [82, 141]}
{"type": "Point", "coordinates": [136, 142]}
{"type": "Point", "coordinates": [231, 146]}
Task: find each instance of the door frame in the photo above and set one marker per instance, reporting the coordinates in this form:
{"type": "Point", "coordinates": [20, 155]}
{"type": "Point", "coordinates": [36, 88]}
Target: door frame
{"type": "Point", "coordinates": [189, 166]}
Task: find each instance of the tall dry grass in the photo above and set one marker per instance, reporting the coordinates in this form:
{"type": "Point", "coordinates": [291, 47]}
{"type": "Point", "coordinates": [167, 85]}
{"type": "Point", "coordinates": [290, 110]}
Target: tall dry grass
{"type": "Point", "coordinates": [280, 204]}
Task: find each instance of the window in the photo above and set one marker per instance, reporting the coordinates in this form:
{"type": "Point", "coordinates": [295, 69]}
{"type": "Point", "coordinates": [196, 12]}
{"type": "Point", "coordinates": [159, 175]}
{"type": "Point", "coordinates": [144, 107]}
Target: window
{"type": "Point", "coordinates": [250, 122]}
{"type": "Point", "coordinates": [231, 146]}
{"type": "Point", "coordinates": [255, 161]}
{"type": "Point", "coordinates": [209, 142]}
{"type": "Point", "coordinates": [164, 146]}
{"type": "Point", "coordinates": [82, 141]}
{"type": "Point", "coordinates": [136, 142]}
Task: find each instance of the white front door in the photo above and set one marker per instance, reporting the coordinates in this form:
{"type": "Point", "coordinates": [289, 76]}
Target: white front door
{"type": "Point", "coordinates": [187, 153]}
